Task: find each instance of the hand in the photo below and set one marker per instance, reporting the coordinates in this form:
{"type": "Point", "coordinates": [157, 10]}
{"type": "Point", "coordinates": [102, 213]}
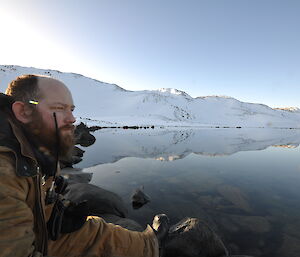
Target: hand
{"type": "Point", "coordinates": [74, 217]}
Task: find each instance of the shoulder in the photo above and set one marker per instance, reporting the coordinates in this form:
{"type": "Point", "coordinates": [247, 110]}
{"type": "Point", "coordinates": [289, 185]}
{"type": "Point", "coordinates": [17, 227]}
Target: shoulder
{"type": "Point", "coordinates": [20, 165]}
{"type": "Point", "coordinates": [7, 163]}
{"type": "Point", "coordinates": [12, 185]}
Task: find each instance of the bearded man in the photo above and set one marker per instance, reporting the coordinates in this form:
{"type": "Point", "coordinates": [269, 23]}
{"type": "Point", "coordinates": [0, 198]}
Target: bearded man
{"type": "Point", "coordinates": [36, 129]}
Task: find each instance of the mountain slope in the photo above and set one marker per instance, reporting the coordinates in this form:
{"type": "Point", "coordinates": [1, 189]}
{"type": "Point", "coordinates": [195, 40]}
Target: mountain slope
{"type": "Point", "coordinates": [110, 104]}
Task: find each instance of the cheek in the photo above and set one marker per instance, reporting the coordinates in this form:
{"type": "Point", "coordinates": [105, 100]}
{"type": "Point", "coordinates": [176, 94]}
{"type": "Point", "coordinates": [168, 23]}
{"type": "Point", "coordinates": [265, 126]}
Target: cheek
{"type": "Point", "coordinates": [48, 121]}
{"type": "Point", "coordinates": [60, 119]}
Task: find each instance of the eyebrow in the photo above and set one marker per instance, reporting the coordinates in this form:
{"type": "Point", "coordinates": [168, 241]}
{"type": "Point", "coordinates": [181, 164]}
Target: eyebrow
{"type": "Point", "coordinates": [66, 105]}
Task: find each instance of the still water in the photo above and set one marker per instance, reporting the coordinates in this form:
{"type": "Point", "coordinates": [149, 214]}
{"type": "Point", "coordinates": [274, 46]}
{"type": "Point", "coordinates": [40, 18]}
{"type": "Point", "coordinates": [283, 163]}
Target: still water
{"type": "Point", "coordinates": [243, 182]}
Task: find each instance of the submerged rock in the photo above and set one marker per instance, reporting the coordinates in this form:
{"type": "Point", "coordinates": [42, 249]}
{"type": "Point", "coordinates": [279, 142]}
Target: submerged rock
{"type": "Point", "coordinates": [253, 224]}
{"type": "Point", "coordinates": [139, 198]}
{"type": "Point", "coordinates": [235, 196]}
{"type": "Point", "coordinates": [290, 246]}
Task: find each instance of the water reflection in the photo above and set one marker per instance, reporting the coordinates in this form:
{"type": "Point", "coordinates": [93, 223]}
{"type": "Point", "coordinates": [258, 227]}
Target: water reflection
{"type": "Point", "coordinates": [165, 144]}
{"type": "Point", "coordinates": [250, 197]}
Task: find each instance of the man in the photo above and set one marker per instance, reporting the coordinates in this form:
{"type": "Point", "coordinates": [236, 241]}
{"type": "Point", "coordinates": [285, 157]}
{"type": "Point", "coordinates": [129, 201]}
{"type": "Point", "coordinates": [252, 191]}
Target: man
{"type": "Point", "coordinates": [36, 128]}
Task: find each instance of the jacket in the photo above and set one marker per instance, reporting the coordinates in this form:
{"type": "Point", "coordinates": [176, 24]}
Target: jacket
{"type": "Point", "coordinates": [22, 209]}
{"type": "Point", "coordinates": [24, 215]}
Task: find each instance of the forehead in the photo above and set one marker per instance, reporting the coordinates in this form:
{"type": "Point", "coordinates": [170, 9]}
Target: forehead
{"type": "Point", "coordinates": [54, 91]}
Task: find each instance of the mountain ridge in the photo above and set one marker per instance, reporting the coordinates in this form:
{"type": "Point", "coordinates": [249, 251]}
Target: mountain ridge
{"type": "Point", "coordinates": [109, 103]}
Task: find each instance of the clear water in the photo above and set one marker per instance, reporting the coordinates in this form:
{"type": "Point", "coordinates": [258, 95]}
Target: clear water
{"type": "Point", "coordinates": [244, 183]}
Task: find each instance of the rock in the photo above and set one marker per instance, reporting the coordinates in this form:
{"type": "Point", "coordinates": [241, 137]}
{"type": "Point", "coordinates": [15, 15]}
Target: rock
{"type": "Point", "coordinates": [233, 248]}
{"type": "Point", "coordinates": [290, 246]}
{"type": "Point", "coordinates": [100, 201]}
{"type": "Point", "coordinates": [75, 157]}
{"type": "Point", "coordinates": [292, 229]}
{"type": "Point", "coordinates": [139, 198]}
{"type": "Point", "coordinates": [239, 256]}
{"type": "Point", "coordinates": [235, 196]}
{"type": "Point", "coordinates": [83, 135]}
{"type": "Point", "coordinates": [193, 238]}
{"type": "Point", "coordinates": [228, 224]}
{"type": "Point", "coordinates": [255, 224]}
{"type": "Point", "coordinates": [78, 151]}
{"type": "Point", "coordinates": [76, 175]}
{"type": "Point", "coordinates": [209, 201]}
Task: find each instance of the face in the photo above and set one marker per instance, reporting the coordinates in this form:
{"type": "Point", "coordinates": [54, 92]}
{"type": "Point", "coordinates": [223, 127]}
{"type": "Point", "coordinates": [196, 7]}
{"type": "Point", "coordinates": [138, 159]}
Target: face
{"type": "Point", "coordinates": [56, 98]}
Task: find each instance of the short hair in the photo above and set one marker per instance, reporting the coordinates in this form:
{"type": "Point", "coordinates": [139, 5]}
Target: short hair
{"type": "Point", "coordinates": [24, 88]}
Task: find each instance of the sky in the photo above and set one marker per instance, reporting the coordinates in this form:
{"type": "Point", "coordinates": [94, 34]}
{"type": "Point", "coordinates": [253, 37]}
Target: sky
{"type": "Point", "coordinates": [246, 49]}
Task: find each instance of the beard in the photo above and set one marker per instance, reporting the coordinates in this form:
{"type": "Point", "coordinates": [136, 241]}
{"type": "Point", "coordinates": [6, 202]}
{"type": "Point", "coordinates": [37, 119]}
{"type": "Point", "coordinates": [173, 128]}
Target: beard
{"type": "Point", "coordinates": [45, 138]}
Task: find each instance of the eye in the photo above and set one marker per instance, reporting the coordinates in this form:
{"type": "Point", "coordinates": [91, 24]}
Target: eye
{"type": "Point", "coordinates": [59, 108]}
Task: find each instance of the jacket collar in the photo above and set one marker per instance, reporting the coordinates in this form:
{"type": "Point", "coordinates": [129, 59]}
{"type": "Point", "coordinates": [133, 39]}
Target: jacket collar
{"type": "Point", "coordinates": [12, 139]}
{"type": "Point", "coordinates": [26, 149]}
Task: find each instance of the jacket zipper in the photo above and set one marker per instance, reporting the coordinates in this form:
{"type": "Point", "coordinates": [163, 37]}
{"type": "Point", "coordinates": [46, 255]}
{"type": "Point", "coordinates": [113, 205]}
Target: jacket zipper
{"type": "Point", "coordinates": [41, 223]}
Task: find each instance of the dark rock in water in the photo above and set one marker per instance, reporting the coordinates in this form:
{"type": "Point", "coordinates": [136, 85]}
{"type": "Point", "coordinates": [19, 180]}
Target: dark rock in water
{"type": "Point", "coordinates": [193, 238]}
{"type": "Point", "coordinates": [123, 222]}
{"type": "Point", "coordinates": [75, 157]}
{"type": "Point", "coordinates": [76, 175]}
{"type": "Point", "coordinates": [78, 152]}
{"type": "Point", "coordinates": [100, 201]}
{"type": "Point", "coordinates": [290, 246]}
{"type": "Point", "coordinates": [239, 256]}
{"type": "Point", "coordinates": [83, 135]}
{"type": "Point", "coordinates": [139, 198]}
{"type": "Point", "coordinates": [84, 138]}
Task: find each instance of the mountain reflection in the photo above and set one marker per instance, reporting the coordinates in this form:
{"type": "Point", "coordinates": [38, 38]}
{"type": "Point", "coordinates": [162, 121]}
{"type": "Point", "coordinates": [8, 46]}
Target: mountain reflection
{"type": "Point", "coordinates": [176, 143]}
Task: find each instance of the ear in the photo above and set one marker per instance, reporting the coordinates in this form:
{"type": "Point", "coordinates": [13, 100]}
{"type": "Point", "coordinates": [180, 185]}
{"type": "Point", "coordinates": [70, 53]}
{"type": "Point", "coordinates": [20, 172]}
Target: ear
{"type": "Point", "coordinates": [21, 112]}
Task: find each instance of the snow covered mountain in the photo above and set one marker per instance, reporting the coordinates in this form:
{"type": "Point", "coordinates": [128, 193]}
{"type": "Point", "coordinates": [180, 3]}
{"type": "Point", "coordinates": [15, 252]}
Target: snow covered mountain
{"type": "Point", "coordinates": [105, 104]}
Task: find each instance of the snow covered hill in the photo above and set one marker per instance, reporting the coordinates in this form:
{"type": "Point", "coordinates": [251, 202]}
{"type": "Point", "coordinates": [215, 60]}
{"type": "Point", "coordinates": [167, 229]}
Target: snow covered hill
{"type": "Point", "coordinates": [105, 104]}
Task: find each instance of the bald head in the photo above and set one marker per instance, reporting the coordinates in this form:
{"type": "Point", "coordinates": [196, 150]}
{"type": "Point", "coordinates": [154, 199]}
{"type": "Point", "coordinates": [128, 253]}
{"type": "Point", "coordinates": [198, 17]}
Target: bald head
{"type": "Point", "coordinates": [53, 91]}
{"type": "Point", "coordinates": [49, 88]}
{"type": "Point", "coordinates": [34, 87]}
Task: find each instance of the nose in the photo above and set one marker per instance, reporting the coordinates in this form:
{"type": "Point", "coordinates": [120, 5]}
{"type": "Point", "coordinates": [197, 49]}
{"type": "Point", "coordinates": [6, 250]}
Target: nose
{"type": "Point", "coordinates": [70, 117]}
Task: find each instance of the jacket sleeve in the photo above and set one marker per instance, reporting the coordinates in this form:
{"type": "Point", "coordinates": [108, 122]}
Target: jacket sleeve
{"type": "Point", "coordinates": [16, 217]}
{"type": "Point", "coordinates": [98, 238]}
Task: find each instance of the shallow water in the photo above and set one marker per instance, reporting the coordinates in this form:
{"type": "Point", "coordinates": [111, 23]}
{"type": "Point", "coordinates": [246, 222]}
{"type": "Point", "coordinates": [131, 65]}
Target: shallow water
{"type": "Point", "coordinates": [243, 182]}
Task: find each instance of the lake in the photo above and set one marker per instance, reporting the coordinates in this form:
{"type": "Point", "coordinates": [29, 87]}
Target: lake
{"type": "Point", "coordinates": [243, 182]}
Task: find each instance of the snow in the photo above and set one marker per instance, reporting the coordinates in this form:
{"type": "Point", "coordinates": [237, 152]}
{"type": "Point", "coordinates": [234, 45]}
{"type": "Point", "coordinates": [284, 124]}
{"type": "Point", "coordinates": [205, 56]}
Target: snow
{"type": "Point", "coordinates": [103, 104]}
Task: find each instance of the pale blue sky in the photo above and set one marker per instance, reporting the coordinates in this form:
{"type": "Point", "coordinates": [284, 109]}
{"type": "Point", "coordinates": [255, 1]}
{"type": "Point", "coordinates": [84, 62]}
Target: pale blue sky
{"type": "Point", "coordinates": [247, 49]}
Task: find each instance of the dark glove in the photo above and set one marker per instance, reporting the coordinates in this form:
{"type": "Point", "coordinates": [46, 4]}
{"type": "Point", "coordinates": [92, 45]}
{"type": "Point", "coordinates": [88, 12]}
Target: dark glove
{"type": "Point", "coordinates": [161, 226]}
{"type": "Point", "coordinates": [55, 220]}
{"type": "Point", "coordinates": [74, 217]}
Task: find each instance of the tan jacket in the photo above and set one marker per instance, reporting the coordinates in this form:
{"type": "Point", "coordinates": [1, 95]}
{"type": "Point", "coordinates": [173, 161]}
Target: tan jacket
{"type": "Point", "coordinates": [23, 215]}
{"type": "Point", "coordinates": [22, 209]}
